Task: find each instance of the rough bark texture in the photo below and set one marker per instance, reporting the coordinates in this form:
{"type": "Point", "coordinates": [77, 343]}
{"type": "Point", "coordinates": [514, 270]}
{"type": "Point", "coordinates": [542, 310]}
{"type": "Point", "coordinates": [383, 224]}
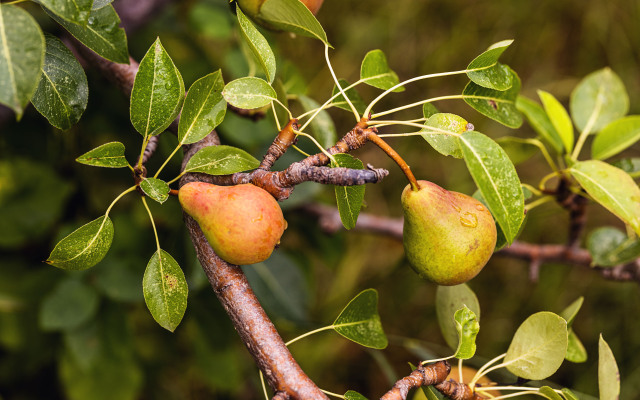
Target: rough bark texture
{"type": "Point", "coordinates": [421, 376]}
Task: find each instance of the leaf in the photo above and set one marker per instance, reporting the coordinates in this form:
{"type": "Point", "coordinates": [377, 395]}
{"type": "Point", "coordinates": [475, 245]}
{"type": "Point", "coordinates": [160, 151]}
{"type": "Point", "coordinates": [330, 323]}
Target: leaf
{"type": "Point", "coordinates": [76, 11]}
{"type": "Point", "coordinates": [98, 4]}
{"type": "Point", "coordinates": [359, 321]}
{"type": "Point", "coordinates": [576, 353]}
{"type": "Point", "coordinates": [158, 92]}
{"type": "Point", "coordinates": [375, 72]}
{"type": "Point", "coordinates": [221, 160]}
{"type": "Point", "coordinates": [62, 92]}
{"type": "Point", "coordinates": [540, 122]}
{"type": "Point", "coordinates": [570, 312]}
{"type": "Point", "coordinates": [495, 104]}
{"type": "Point", "coordinates": [71, 304]}
{"type": "Point", "coordinates": [156, 189]}
{"type": "Point", "coordinates": [497, 180]}
{"type": "Point", "coordinates": [615, 137]}
{"type": "Point", "coordinates": [519, 150]}
{"type": "Point", "coordinates": [258, 45]}
{"type": "Point", "coordinates": [467, 327]}
{"type": "Point", "coordinates": [204, 108]}
{"type": "Point", "coordinates": [568, 394]}
{"type": "Point", "coordinates": [501, 240]}
{"type": "Point", "coordinates": [599, 99]}
{"type": "Point", "coordinates": [21, 57]}
{"type": "Point", "coordinates": [449, 299]}
{"type": "Point", "coordinates": [352, 95]}
{"type": "Point", "coordinates": [322, 125]}
{"type": "Point", "coordinates": [559, 118]}
{"type": "Point", "coordinates": [249, 93]}
{"type": "Point", "coordinates": [608, 375]}
{"type": "Point", "coordinates": [447, 127]}
{"type": "Point", "coordinates": [102, 34]}
{"type": "Point", "coordinates": [84, 247]}
{"type": "Point", "coordinates": [292, 16]}
{"type": "Point", "coordinates": [549, 393]}
{"type": "Point", "coordinates": [486, 71]}
{"type": "Point", "coordinates": [538, 346]}
{"type": "Point", "coordinates": [629, 165]}
{"type": "Point", "coordinates": [428, 109]}
{"type": "Point", "coordinates": [165, 290]}
{"type": "Point", "coordinates": [108, 155]}
{"type": "Point", "coordinates": [610, 247]}
{"type": "Point", "coordinates": [353, 395]}
{"type": "Point", "coordinates": [613, 188]}
{"type": "Point", "coordinates": [349, 198]}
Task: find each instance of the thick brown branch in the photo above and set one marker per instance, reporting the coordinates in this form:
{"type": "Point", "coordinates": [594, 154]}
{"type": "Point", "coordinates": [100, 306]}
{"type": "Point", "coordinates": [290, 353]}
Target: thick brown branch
{"type": "Point", "coordinates": [457, 391]}
{"type": "Point", "coordinates": [285, 138]}
{"type": "Point", "coordinates": [422, 376]}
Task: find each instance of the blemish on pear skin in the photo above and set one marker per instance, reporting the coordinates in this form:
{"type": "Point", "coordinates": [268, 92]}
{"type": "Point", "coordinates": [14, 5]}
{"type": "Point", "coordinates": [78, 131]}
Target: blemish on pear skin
{"type": "Point", "coordinates": [468, 219]}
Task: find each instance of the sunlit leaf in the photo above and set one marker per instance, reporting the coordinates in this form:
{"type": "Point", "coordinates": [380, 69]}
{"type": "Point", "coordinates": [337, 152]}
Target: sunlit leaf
{"type": "Point", "coordinates": [610, 247]}
{"type": "Point", "coordinates": [359, 321]}
{"type": "Point", "coordinates": [449, 299]}
{"type": "Point", "coordinates": [258, 45]}
{"type": "Point", "coordinates": [71, 304]}
{"type": "Point", "coordinates": [486, 71]}
{"type": "Point", "coordinates": [98, 4]}
{"type": "Point", "coordinates": [349, 198]}
{"type": "Point", "coordinates": [204, 108]}
{"type": "Point", "coordinates": [249, 93]}
{"type": "Point", "coordinates": [570, 312]}
{"type": "Point", "coordinates": [539, 121]}
{"type": "Point", "coordinates": [353, 395]}
{"type": "Point", "coordinates": [165, 290]}
{"type": "Point", "coordinates": [221, 160]}
{"type": "Point", "coordinates": [608, 374]}
{"type": "Point", "coordinates": [559, 118]}
{"type": "Point", "coordinates": [109, 155]}
{"type": "Point", "coordinates": [446, 127]}
{"type": "Point", "coordinates": [467, 327]}
{"type": "Point", "coordinates": [375, 71]}
{"type": "Point", "coordinates": [495, 104]}
{"type": "Point", "coordinates": [549, 393]}
{"type": "Point", "coordinates": [576, 353]}
{"type": "Point", "coordinates": [352, 95]}
{"type": "Point", "coordinates": [616, 137]}
{"type": "Point", "coordinates": [322, 125]}
{"type": "Point", "coordinates": [428, 109]}
{"type": "Point", "coordinates": [84, 247]}
{"type": "Point", "coordinates": [292, 16]}
{"type": "Point", "coordinates": [76, 11]}
{"type": "Point", "coordinates": [568, 394]}
{"type": "Point", "coordinates": [156, 189]}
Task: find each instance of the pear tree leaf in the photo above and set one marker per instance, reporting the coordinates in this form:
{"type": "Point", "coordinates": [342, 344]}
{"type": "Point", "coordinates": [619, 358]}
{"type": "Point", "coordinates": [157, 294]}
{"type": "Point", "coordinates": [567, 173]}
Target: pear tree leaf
{"type": "Point", "coordinates": [352, 95]}
{"type": "Point", "coordinates": [158, 92]}
{"type": "Point", "coordinates": [375, 72]}
{"type": "Point", "coordinates": [156, 189]}
{"type": "Point", "coordinates": [21, 57]}
{"type": "Point", "coordinates": [446, 128]}
{"type": "Point", "coordinates": [608, 374]}
{"type": "Point", "coordinates": [497, 180]}
{"type": "Point", "coordinates": [486, 71]}
{"type": "Point", "coordinates": [610, 247]}
{"type": "Point", "coordinates": [359, 321]}
{"type": "Point", "coordinates": [467, 327]}
{"type": "Point", "coordinates": [109, 155]}
{"type": "Point", "coordinates": [568, 394]}
{"type": "Point", "coordinates": [559, 118]}
{"type": "Point", "coordinates": [495, 104]}
{"type": "Point", "coordinates": [615, 137]}
{"type": "Point", "coordinates": [613, 188]}
{"type": "Point", "coordinates": [221, 160]}
{"type": "Point", "coordinates": [165, 290]}
{"type": "Point", "coordinates": [538, 346]}
{"type": "Point", "coordinates": [518, 149]}
{"type": "Point", "coordinates": [570, 312]}
{"type": "Point", "coordinates": [501, 240]}
{"type": "Point", "coordinates": [62, 92]}
{"type": "Point", "coordinates": [101, 34]}
{"type": "Point", "coordinates": [353, 395]}
{"type": "Point", "coordinates": [428, 109]}
{"type": "Point", "coordinates": [449, 299]}
{"type": "Point", "coordinates": [204, 108]}
{"type": "Point", "coordinates": [84, 247]}
{"type": "Point", "coordinates": [76, 11]}
{"type": "Point", "coordinates": [258, 45]}
{"type": "Point", "coordinates": [576, 353]}
{"type": "Point", "coordinates": [349, 198]}
{"type": "Point", "coordinates": [249, 93]}
{"type": "Point", "coordinates": [540, 122]}
{"type": "Point", "coordinates": [98, 4]}
{"type": "Point", "coordinates": [629, 165]}
{"type": "Point", "coordinates": [600, 98]}
{"type": "Point", "coordinates": [549, 393]}
{"type": "Point", "coordinates": [292, 16]}
{"type": "Point", "coordinates": [71, 304]}
{"type": "Point", "coordinates": [322, 125]}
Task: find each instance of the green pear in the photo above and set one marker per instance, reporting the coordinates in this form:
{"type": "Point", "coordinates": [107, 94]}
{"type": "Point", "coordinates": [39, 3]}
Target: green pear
{"type": "Point", "coordinates": [448, 237]}
{"type": "Point", "coordinates": [242, 223]}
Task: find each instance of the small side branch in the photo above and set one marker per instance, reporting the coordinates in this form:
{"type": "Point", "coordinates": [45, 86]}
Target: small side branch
{"type": "Point", "coordinates": [285, 139]}
{"type": "Point", "coordinates": [424, 375]}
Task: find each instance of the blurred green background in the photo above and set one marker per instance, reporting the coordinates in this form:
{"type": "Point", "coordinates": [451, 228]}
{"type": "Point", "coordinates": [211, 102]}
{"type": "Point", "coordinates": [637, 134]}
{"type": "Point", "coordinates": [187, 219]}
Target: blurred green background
{"type": "Point", "coordinates": [88, 335]}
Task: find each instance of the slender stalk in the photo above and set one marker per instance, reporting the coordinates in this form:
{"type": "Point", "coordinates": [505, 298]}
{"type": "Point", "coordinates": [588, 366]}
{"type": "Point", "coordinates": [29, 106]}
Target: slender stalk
{"type": "Point", "coordinates": [339, 396]}
{"type": "Point", "coordinates": [325, 328]}
{"type": "Point", "coordinates": [167, 160]}
{"type": "Point", "coordinates": [425, 362]}
{"type": "Point", "coordinates": [144, 146]}
{"type": "Point", "coordinates": [546, 178]}
{"type": "Point", "coordinates": [460, 371]}
{"type": "Point", "coordinates": [153, 224]}
{"type": "Point", "coordinates": [131, 189]}
{"type": "Point", "coordinates": [506, 396]}
{"type": "Point", "coordinates": [532, 189]}
{"type": "Point", "coordinates": [418, 103]}
{"type": "Point", "coordinates": [484, 367]}
{"type": "Point", "coordinates": [264, 387]}
{"type": "Point", "coordinates": [335, 79]}
{"type": "Point", "coordinates": [538, 202]}
{"type": "Point", "coordinates": [395, 157]}
{"type": "Point", "coordinates": [587, 128]}
{"type": "Point", "coordinates": [275, 116]}
{"type": "Point", "coordinates": [317, 144]}
{"type": "Point", "coordinates": [326, 103]}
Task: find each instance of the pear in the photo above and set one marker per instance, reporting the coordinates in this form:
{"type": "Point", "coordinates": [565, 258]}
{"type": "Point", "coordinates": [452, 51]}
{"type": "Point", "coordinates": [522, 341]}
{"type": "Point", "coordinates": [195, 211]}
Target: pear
{"type": "Point", "coordinates": [242, 223]}
{"type": "Point", "coordinates": [448, 237]}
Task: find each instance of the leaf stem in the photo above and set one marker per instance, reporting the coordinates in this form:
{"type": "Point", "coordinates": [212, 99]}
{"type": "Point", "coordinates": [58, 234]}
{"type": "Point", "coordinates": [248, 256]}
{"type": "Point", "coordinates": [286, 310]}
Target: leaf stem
{"type": "Point", "coordinates": [538, 202]}
{"type": "Point", "coordinates": [335, 79]}
{"type": "Point", "coordinates": [484, 367]}
{"type": "Point", "coordinates": [395, 157]}
{"type": "Point", "coordinates": [264, 387]}
{"type": "Point", "coordinates": [435, 360]}
{"type": "Point", "coordinates": [325, 328]}
{"type": "Point", "coordinates": [167, 160]}
{"type": "Point", "coordinates": [546, 178]}
{"type": "Point", "coordinates": [339, 396]}
{"type": "Point", "coordinates": [153, 224]}
{"type": "Point", "coordinates": [144, 146]}
{"type": "Point", "coordinates": [131, 189]}
{"type": "Point", "coordinates": [317, 144]}
{"type": "Point", "coordinates": [418, 103]}
{"type": "Point", "coordinates": [587, 128]}
{"type": "Point", "coordinates": [460, 371]}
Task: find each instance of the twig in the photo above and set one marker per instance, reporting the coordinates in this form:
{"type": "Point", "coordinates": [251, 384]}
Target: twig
{"type": "Point", "coordinates": [424, 375]}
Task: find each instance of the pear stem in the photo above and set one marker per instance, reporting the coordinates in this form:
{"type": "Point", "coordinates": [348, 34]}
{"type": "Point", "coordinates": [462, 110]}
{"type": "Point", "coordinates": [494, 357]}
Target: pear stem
{"type": "Point", "coordinates": [371, 136]}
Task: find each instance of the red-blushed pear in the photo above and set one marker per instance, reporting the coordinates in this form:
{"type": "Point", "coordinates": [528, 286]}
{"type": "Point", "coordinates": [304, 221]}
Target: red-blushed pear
{"type": "Point", "coordinates": [448, 237]}
{"type": "Point", "coordinates": [243, 223]}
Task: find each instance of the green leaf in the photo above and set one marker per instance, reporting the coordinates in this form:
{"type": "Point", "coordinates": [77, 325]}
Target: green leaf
{"type": "Point", "coordinates": [559, 118]}
{"type": "Point", "coordinates": [447, 128]}
{"type": "Point", "coordinates": [156, 189]}
{"type": "Point", "coordinates": [352, 95]}
{"type": "Point", "coordinates": [616, 137]}
{"type": "Point", "coordinates": [221, 160]}
{"type": "Point", "coordinates": [102, 34]}
{"type": "Point", "coordinates": [258, 45]}
{"type": "Point", "coordinates": [486, 71]}
{"type": "Point", "coordinates": [204, 108]}
{"type": "Point", "coordinates": [62, 92]}
{"type": "Point", "coordinates": [570, 312]}
{"type": "Point", "coordinates": [518, 149]}
{"type": "Point", "coordinates": [449, 299]}
{"type": "Point", "coordinates": [568, 394]}
{"type": "Point", "coordinates": [501, 240]}
{"type": "Point", "coordinates": [538, 346]}
{"type": "Point", "coordinates": [375, 72]}
{"type": "Point", "coordinates": [71, 304]}
{"type": "Point", "coordinates": [98, 4]}
{"type": "Point", "coordinates": [497, 180]}
{"type": "Point", "coordinates": [576, 353]}
{"type": "Point", "coordinates": [109, 155]}
{"type": "Point", "coordinates": [629, 165]}
{"type": "Point", "coordinates": [158, 92]}
{"type": "Point", "coordinates": [21, 57]}
{"type": "Point", "coordinates": [599, 99]}
{"type": "Point", "coordinates": [359, 321]}
{"type": "Point", "coordinates": [76, 11]}
{"type": "Point", "coordinates": [467, 327]}
{"type": "Point", "coordinates": [165, 290]}
{"type": "Point", "coordinates": [495, 104]}
{"type": "Point", "coordinates": [349, 198]}
{"type": "Point", "coordinates": [610, 247]}
{"type": "Point", "coordinates": [292, 16]}
{"type": "Point", "coordinates": [322, 125]}
{"type": "Point", "coordinates": [613, 188]}
{"type": "Point", "coordinates": [353, 395]}
{"type": "Point", "coordinates": [249, 93]}
{"type": "Point", "coordinates": [549, 393]}
{"type": "Point", "coordinates": [428, 109]}
{"type": "Point", "coordinates": [84, 247]}
{"type": "Point", "coordinates": [608, 375]}
{"type": "Point", "coordinates": [540, 122]}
